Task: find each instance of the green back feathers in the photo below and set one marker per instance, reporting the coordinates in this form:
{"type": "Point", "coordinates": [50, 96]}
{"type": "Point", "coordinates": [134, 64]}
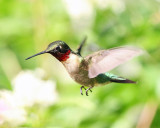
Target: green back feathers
{"type": "Point", "coordinates": [102, 78]}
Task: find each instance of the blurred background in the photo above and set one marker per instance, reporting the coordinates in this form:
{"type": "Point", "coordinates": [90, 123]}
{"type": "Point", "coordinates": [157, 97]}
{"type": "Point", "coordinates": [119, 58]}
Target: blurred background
{"type": "Point", "coordinates": [39, 93]}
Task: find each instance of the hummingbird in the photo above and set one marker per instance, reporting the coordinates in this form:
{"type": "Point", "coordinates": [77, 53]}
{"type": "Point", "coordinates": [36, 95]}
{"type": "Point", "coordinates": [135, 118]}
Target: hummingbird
{"type": "Point", "coordinates": [91, 70]}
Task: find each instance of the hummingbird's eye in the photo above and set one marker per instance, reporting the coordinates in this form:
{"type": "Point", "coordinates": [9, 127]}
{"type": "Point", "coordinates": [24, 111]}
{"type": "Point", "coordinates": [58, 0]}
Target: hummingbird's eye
{"type": "Point", "coordinates": [58, 48]}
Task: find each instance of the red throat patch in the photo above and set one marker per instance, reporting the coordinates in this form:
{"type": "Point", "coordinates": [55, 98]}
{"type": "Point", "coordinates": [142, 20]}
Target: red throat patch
{"type": "Point", "coordinates": [63, 56]}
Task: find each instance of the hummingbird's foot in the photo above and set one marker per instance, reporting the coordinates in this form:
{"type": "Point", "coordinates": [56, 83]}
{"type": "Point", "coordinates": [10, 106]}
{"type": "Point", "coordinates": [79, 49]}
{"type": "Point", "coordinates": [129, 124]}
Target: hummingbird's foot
{"type": "Point", "coordinates": [81, 89]}
{"type": "Point", "coordinates": [89, 90]}
{"type": "Point", "coordinates": [86, 90]}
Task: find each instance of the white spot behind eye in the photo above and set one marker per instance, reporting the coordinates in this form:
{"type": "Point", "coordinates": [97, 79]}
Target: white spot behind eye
{"type": "Point", "coordinates": [58, 48]}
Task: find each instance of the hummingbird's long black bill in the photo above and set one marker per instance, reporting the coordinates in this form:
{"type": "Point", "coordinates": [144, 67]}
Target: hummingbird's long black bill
{"type": "Point", "coordinates": [36, 55]}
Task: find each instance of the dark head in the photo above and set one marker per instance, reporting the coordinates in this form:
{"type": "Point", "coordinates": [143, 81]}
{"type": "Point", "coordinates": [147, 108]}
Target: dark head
{"type": "Point", "coordinates": [58, 49]}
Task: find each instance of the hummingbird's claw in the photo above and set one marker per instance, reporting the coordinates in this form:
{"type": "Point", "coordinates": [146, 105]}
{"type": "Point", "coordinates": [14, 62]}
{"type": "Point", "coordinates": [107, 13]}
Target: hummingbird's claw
{"type": "Point", "coordinates": [81, 89]}
{"type": "Point", "coordinates": [86, 93]}
{"type": "Point", "coordinates": [86, 90]}
{"type": "Point", "coordinates": [89, 90]}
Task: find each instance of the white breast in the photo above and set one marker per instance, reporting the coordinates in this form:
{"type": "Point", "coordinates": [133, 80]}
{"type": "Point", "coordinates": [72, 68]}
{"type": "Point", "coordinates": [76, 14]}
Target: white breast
{"type": "Point", "coordinates": [72, 64]}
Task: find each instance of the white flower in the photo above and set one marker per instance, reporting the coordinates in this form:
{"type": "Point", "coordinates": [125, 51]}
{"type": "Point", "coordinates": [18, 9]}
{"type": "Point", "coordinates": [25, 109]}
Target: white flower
{"type": "Point", "coordinates": [10, 112]}
{"type": "Point", "coordinates": [29, 89]}
{"type": "Point", "coordinates": [81, 13]}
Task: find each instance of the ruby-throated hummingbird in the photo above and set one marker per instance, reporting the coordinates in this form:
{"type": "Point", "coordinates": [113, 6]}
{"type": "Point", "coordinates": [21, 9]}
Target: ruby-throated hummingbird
{"type": "Point", "coordinates": [91, 70]}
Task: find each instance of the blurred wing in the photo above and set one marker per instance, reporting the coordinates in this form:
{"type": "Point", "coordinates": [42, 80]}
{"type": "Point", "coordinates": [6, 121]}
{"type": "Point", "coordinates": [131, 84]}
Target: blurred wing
{"type": "Point", "coordinates": [105, 60]}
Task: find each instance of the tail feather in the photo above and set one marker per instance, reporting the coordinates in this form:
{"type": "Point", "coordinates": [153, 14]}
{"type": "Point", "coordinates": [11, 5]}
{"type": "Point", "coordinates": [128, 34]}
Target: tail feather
{"type": "Point", "coordinates": [123, 81]}
{"type": "Point", "coordinates": [117, 79]}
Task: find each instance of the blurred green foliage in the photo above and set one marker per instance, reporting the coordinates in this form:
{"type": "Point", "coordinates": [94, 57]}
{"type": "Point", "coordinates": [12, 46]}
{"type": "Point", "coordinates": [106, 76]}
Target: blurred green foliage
{"type": "Point", "coordinates": [28, 26]}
